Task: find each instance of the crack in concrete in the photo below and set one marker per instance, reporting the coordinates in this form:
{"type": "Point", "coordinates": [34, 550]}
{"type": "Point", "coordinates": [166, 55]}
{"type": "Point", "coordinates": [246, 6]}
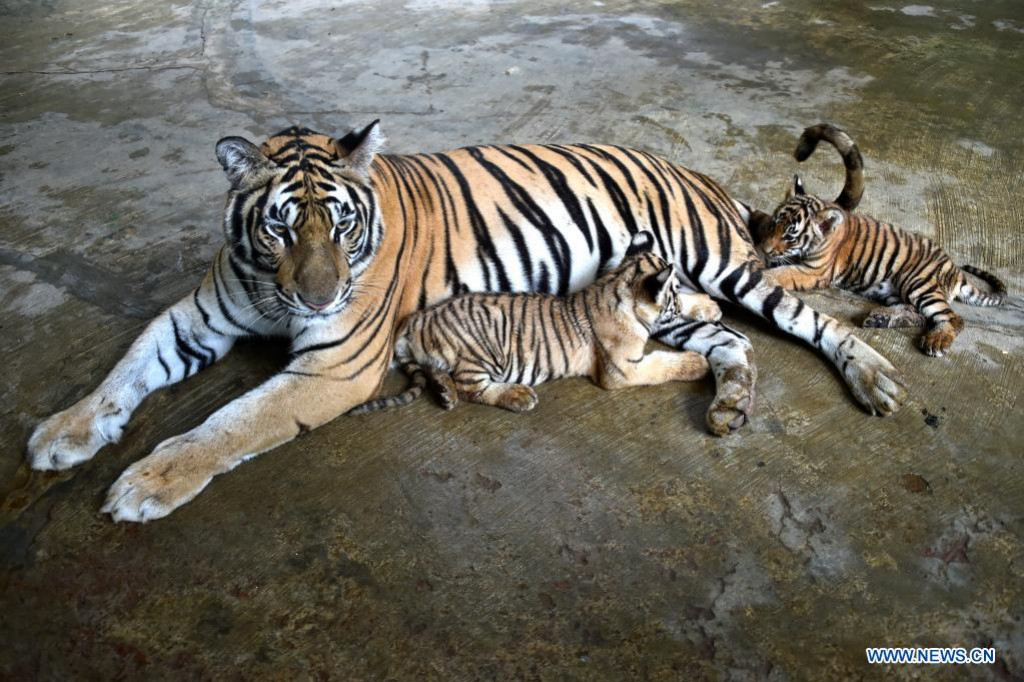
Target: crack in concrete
{"type": "Point", "coordinates": [795, 534]}
{"type": "Point", "coordinates": [202, 32]}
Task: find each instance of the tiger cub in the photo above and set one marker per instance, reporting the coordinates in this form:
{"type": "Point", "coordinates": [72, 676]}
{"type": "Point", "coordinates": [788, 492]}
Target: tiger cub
{"type": "Point", "coordinates": [811, 243]}
{"type": "Point", "coordinates": [491, 348]}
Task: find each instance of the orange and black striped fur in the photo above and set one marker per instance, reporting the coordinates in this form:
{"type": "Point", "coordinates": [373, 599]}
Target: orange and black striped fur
{"type": "Point", "coordinates": [332, 244]}
{"type": "Point", "coordinates": [813, 243]}
{"type": "Point", "coordinates": [491, 348]}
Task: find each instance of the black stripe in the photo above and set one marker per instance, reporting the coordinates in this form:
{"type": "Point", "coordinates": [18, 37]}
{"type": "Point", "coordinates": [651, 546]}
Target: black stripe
{"type": "Point", "coordinates": [486, 252]}
{"type": "Point", "coordinates": [529, 209]}
{"type": "Point", "coordinates": [163, 363]}
{"type": "Point", "coordinates": [771, 302]}
{"type": "Point", "coordinates": [556, 178]}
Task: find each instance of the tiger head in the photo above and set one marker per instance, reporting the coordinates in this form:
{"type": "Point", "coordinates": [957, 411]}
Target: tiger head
{"type": "Point", "coordinates": [655, 289]}
{"type": "Point", "coordinates": [802, 227]}
{"type": "Point", "coordinates": [302, 216]}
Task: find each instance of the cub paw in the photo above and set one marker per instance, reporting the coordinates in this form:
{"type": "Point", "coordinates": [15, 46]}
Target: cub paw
{"type": "Point", "coordinates": [876, 320]}
{"type": "Point", "coordinates": [937, 342]}
{"type": "Point", "coordinates": [891, 317]}
{"type": "Point", "coordinates": [72, 437]}
{"type": "Point", "coordinates": [448, 399]}
{"type": "Point", "coordinates": [447, 394]}
{"type": "Point", "coordinates": [518, 398]}
{"type": "Point", "coordinates": [707, 312]}
{"type": "Point", "coordinates": [691, 367]}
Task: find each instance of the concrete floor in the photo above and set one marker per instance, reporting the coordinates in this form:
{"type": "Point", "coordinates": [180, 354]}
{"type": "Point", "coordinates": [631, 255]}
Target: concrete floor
{"type": "Point", "coordinates": [603, 536]}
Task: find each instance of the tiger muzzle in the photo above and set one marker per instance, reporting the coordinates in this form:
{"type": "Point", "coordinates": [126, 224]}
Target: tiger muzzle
{"type": "Point", "coordinates": [320, 275]}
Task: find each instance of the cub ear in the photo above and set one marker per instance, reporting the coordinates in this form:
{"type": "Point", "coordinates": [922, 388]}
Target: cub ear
{"type": "Point", "coordinates": [642, 242]}
{"type": "Point", "coordinates": [797, 190]}
{"type": "Point", "coordinates": [658, 285]}
{"type": "Point", "coordinates": [357, 149]}
{"type": "Point", "coordinates": [244, 163]}
{"type": "Point", "coordinates": [829, 219]}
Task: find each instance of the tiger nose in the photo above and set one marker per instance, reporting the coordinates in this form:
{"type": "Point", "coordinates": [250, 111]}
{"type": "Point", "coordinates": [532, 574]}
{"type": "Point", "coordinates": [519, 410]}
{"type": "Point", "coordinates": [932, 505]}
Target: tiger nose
{"type": "Point", "coordinates": [317, 305]}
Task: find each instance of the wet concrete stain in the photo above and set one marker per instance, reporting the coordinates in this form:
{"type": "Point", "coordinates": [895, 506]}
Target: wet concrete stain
{"type": "Point", "coordinates": [913, 483]}
{"type": "Point", "coordinates": [932, 420]}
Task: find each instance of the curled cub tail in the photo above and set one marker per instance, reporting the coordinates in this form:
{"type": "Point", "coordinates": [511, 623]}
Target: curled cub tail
{"type": "Point", "coordinates": [975, 296]}
{"type": "Point", "coordinates": [418, 381]}
{"type": "Point", "coordinates": [853, 190]}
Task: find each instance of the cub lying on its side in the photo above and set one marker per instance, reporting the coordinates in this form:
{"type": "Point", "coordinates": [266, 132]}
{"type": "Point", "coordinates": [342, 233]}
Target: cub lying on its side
{"type": "Point", "coordinates": [819, 243]}
{"type": "Point", "coordinates": [490, 348]}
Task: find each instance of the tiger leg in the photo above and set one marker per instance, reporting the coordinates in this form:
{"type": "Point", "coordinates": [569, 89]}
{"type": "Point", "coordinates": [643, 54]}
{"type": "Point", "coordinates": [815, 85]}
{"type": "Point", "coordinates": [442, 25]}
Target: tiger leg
{"type": "Point", "coordinates": [875, 383]}
{"type": "Point", "coordinates": [893, 316]}
{"type": "Point", "coordinates": [316, 387]}
{"type": "Point", "coordinates": [944, 325]}
{"type": "Point", "coordinates": [657, 367]}
{"type": "Point", "coordinates": [476, 386]}
{"type": "Point", "coordinates": [731, 359]}
{"type": "Point", "coordinates": [184, 339]}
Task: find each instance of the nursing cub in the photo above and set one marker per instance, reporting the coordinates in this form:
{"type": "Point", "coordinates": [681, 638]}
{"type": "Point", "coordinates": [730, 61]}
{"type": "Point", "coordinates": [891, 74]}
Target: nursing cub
{"type": "Point", "coordinates": [811, 243]}
{"type": "Point", "coordinates": [491, 348]}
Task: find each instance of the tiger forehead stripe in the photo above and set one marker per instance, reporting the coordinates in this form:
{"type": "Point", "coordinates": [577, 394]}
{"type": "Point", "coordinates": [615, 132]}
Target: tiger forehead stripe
{"type": "Point", "coordinates": [296, 144]}
{"type": "Point", "coordinates": [309, 159]}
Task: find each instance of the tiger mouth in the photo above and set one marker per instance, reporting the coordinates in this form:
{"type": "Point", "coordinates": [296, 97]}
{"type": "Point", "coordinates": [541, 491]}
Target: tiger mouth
{"type": "Point", "coordinates": [308, 313]}
{"type": "Point", "coordinates": [785, 258]}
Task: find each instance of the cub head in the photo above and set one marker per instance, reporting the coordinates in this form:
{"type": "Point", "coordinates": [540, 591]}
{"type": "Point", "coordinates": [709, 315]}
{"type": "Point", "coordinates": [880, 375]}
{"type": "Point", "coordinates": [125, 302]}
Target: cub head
{"type": "Point", "coordinates": [655, 289]}
{"type": "Point", "coordinates": [302, 216]}
{"type": "Point", "coordinates": [802, 226]}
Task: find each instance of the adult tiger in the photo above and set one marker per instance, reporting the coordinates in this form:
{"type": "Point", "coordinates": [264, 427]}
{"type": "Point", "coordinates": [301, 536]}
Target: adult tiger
{"type": "Point", "coordinates": [331, 244]}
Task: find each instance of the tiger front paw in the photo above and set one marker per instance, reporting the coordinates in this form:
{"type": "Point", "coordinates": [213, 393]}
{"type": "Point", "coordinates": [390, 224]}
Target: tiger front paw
{"type": "Point", "coordinates": [156, 485]}
{"type": "Point", "coordinates": [73, 436]}
{"type": "Point", "coordinates": [734, 400]}
{"type": "Point", "coordinates": [872, 379]}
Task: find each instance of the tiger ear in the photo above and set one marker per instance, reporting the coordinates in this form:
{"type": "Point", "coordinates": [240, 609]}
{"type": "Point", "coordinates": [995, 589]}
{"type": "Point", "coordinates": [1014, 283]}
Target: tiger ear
{"type": "Point", "coordinates": [797, 190]}
{"type": "Point", "coordinates": [642, 242]}
{"type": "Point", "coordinates": [828, 220]}
{"type": "Point", "coordinates": [357, 149]}
{"type": "Point", "coordinates": [244, 163]}
{"type": "Point", "coordinates": [657, 285]}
